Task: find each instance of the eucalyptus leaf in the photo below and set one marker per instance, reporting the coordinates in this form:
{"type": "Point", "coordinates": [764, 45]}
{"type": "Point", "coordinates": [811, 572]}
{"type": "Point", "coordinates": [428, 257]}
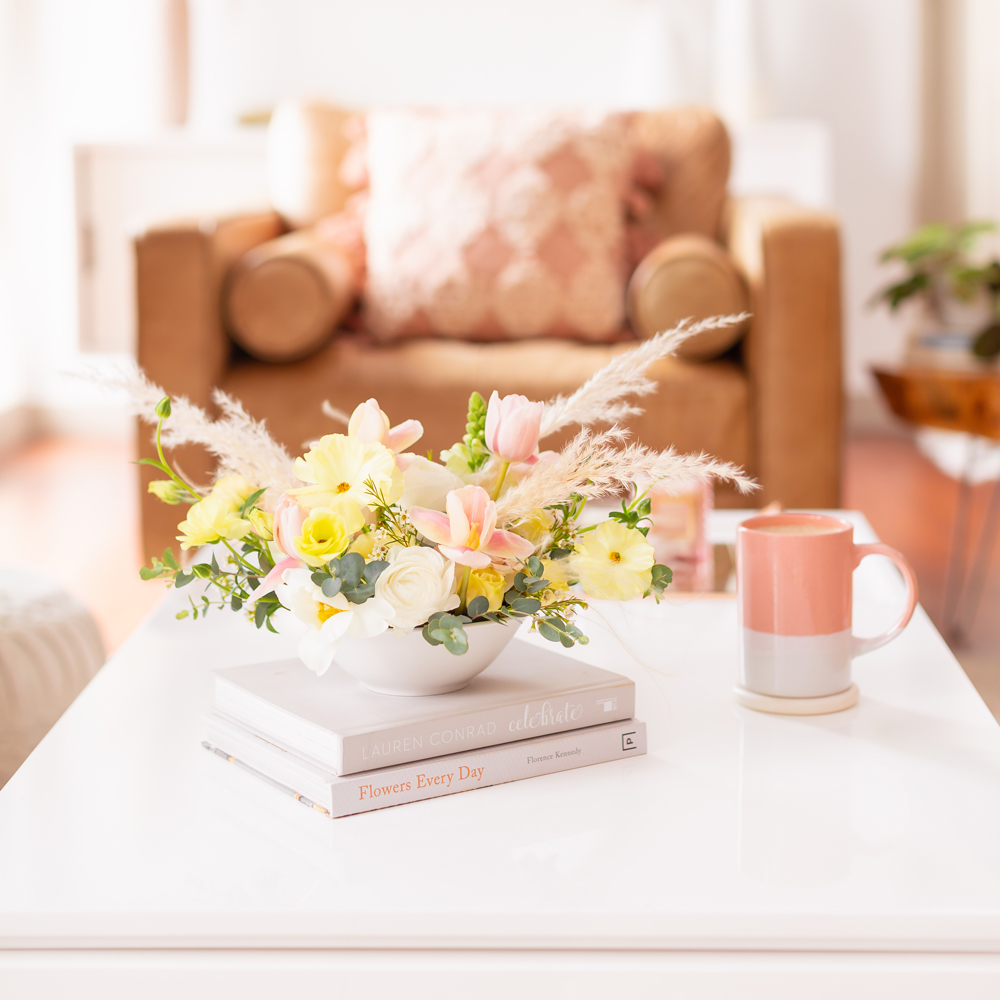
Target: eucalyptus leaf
{"type": "Point", "coordinates": [526, 605]}
{"type": "Point", "coordinates": [547, 631]}
{"type": "Point", "coordinates": [478, 606]}
{"type": "Point", "coordinates": [375, 569]}
{"type": "Point", "coordinates": [183, 579]}
{"type": "Point", "coordinates": [330, 586]}
{"type": "Point", "coordinates": [168, 558]}
{"type": "Point", "coordinates": [352, 567]}
{"type": "Point", "coordinates": [235, 603]}
{"type": "Point", "coordinates": [425, 631]}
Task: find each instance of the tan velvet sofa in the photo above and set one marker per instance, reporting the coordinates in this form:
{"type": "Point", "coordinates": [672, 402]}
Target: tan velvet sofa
{"type": "Point", "coordinates": [771, 404]}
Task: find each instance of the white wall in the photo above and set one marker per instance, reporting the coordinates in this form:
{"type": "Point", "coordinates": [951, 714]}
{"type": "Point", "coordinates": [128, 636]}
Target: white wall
{"type": "Point", "coordinates": [79, 70]}
{"type": "Point", "coordinates": [69, 70]}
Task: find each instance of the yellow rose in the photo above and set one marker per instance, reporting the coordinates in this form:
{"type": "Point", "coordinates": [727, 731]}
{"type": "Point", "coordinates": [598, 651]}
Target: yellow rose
{"type": "Point", "coordinates": [263, 523]}
{"type": "Point", "coordinates": [232, 491]}
{"type": "Point", "coordinates": [363, 544]}
{"type": "Point", "coordinates": [168, 491]}
{"type": "Point", "coordinates": [613, 562]}
{"type": "Point", "coordinates": [208, 521]}
{"type": "Point", "coordinates": [535, 528]}
{"type": "Point", "coordinates": [327, 531]}
{"type": "Point", "coordinates": [488, 583]}
{"type": "Point", "coordinates": [339, 466]}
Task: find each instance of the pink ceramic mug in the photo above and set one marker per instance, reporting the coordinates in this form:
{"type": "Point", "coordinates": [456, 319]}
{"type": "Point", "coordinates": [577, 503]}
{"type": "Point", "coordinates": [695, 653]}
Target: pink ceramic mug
{"type": "Point", "coordinates": [794, 583]}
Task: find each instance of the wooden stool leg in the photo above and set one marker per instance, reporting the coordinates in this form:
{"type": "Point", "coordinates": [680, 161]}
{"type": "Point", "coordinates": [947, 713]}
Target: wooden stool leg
{"type": "Point", "coordinates": [981, 564]}
{"type": "Point", "coordinates": [955, 579]}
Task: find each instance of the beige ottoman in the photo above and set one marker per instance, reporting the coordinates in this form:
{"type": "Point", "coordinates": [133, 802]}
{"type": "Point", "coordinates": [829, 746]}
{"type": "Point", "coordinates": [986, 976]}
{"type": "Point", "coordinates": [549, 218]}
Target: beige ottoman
{"type": "Point", "coordinates": [49, 649]}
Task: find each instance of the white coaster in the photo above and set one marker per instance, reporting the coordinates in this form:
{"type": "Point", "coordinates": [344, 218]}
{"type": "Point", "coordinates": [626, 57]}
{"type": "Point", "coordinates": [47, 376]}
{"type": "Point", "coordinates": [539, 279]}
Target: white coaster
{"type": "Point", "coordinates": [798, 706]}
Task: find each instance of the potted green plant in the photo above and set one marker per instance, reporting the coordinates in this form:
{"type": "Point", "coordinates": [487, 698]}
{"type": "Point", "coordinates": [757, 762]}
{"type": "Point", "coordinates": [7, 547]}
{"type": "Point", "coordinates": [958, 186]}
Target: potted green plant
{"type": "Point", "coordinates": [961, 298]}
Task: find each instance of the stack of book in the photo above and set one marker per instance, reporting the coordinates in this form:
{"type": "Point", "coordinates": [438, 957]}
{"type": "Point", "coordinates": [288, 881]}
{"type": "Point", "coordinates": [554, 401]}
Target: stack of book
{"type": "Point", "coordinates": [342, 750]}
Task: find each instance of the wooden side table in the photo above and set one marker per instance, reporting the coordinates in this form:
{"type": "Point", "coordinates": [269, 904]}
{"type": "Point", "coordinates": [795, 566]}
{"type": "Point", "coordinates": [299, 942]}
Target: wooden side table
{"type": "Point", "coordinates": [954, 401]}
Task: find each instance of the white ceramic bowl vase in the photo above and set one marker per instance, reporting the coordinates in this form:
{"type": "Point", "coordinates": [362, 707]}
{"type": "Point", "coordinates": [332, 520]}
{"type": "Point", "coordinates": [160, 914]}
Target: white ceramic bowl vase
{"type": "Point", "coordinates": [406, 664]}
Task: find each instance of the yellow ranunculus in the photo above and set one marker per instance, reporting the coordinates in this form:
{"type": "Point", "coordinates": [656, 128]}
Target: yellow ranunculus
{"type": "Point", "coordinates": [339, 466]}
{"type": "Point", "coordinates": [208, 521]}
{"type": "Point", "coordinates": [263, 523]}
{"type": "Point", "coordinates": [232, 491]}
{"type": "Point", "coordinates": [613, 562]}
{"type": "Point", "coordinates": [488, 583]}
{"type": "Point", "coordinates": [535, 528]}
{"type": "Point", "coordinates": [327, 531]}
{"type": "Point", "coordinates": [168, 491]}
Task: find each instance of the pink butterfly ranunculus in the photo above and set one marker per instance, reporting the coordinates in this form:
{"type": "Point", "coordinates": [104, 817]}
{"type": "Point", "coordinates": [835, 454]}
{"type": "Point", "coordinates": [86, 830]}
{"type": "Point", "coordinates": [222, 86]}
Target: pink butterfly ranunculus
{"type": "Point", "coordinates": [467, 532]}
{"type": "Point", "coordinates": [369, 423]}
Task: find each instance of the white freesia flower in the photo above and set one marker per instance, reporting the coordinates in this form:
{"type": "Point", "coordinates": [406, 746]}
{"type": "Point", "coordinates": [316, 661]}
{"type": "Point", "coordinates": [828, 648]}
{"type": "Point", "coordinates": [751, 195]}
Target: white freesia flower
{"type": "Point", "coordinates": [417, 582]}
{"type": "Point", "coordinates": [331, 617]}
{"type": "Point", "coordinates": [425, 483]}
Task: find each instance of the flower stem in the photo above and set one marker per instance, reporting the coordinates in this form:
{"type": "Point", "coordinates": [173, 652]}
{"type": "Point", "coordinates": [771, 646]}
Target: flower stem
{"type": "Point", "coordinates": [500, 479]}
{"type": "Point", "coordinates": [170, 472]}
{"type": "Point", "coordinates": [464, 585]}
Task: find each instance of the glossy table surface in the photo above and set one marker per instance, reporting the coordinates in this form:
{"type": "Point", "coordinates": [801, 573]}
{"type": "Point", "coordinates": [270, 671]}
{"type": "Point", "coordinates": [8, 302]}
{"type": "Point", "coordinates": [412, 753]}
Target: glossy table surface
{"type": "Point", "coordinates": [871, 830]}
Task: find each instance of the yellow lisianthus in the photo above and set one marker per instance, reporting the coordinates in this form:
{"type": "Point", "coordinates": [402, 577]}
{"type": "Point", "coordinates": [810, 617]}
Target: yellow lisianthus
{"type": "Point", "coordinates": [208, 521]}
{"type": "Point", "coordinates": [339, 466]}
{"type": "Point", "coordinates": [327, 531]}
{"type": "Point", "coordinates": [168, 490]}
{"type": "Point", "coordinates": [232, 491]}
{"type": "Point", "coordinates": [613, 562]}
{"type": "Point", "coordinates": [488, 583]}
{"type": "Point", "coordinates": [263, 523]}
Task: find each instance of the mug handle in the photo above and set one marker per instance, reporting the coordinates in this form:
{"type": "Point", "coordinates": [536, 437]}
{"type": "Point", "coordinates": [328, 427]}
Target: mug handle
{"type": "Point", "coordinates": [860, 645]}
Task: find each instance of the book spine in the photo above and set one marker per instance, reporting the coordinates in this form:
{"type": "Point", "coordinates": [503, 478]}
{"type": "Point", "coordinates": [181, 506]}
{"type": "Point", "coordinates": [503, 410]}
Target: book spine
{"type": "Point", "coordinates": [462, 772]}
{"type": "Point", "coordinates": [490, 727]}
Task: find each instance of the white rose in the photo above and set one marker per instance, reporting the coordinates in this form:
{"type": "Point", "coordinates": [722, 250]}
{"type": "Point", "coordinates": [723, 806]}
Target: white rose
{"type": "Point", "coordinates": [425, 483]}
{"type": "Point", "coordinates": [417, 582]}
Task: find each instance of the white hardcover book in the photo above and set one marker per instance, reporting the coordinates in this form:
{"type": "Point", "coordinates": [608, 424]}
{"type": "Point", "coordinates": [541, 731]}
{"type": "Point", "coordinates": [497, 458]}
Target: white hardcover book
{"type": "Point", "coordinates": [391, 786]}
{"type": "Point", "coordinates": [527, 691]}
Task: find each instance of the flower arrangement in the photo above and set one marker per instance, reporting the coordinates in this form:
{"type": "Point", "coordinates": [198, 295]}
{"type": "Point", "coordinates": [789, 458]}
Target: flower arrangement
{"type": "Point", "coordinates": [360, 534]}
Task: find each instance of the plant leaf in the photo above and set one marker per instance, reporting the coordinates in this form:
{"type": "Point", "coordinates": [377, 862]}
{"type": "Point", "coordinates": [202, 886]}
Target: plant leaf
{"type": "Point", "coordinates": [478, 606]}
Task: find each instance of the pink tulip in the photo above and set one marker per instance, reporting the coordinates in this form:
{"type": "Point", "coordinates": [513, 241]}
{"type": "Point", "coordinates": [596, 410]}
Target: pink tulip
{"type": "Point", "coordinates": [467, 533]}
{"type": "Point", "coordinates": [512, 425]}
{"type": "Point", "coordinates": [288, 520]}
{"type": "Point", "coordinates": [369, 423]}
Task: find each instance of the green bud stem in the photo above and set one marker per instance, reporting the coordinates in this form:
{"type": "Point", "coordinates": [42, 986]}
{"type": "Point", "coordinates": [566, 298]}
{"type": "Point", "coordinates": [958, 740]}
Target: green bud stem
{"type": "Point", "coordinates": [463, 586]}
{"type": "Point", "coordinates": [500, 479]}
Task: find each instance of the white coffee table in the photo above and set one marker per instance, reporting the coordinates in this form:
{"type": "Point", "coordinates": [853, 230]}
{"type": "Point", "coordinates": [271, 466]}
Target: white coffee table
{"type": "Point", "coordinates": [745, 856]}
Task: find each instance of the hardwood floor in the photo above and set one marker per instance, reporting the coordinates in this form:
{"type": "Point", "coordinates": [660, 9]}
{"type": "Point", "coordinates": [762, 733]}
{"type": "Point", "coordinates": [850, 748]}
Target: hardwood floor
{"type": "Point", "coordinates": [73, 509]}
{"type": "Point", "coordinates": [72, 505]}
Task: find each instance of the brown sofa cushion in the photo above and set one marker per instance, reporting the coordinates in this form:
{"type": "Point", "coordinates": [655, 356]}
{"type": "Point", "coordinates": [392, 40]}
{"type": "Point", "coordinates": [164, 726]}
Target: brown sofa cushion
{"type": "Point", "coordinates": [698, 407]}
{"type": "Point", "coordinates": [685, 153]}
{"type": "Point", "coordinates": [286, 297]}
{"type": "Point", "coordinates": [687, 276]}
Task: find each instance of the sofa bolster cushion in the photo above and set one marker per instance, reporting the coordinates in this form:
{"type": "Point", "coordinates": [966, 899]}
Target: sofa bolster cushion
{"type": "Point", "coordinates": [286, 297]}
{"type": "Point", "coordinates": [687, 276]}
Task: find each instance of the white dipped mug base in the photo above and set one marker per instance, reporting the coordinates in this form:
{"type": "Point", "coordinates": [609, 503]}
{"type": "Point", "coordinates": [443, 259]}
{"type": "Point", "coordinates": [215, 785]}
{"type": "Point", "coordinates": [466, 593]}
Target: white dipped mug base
{"type": "Point", "coordinates": [798, 706]}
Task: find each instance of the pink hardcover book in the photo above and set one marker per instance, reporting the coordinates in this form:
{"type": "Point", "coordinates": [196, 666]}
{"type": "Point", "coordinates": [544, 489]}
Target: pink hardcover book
{"type": "Point", "coordinates": [346, 795]}
{"type": "Point", "coordinates": [528, 691]}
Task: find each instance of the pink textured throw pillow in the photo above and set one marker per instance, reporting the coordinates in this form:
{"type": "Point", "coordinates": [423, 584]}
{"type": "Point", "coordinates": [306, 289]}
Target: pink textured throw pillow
{"type": "Point", "coordinates": [496, 224]}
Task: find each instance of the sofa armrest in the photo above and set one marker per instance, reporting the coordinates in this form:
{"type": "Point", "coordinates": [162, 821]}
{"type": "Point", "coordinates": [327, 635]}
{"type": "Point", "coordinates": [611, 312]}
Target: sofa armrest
{"type": "Point", "coordinates": [791, 258]}
{"type": "Point", "coordinates": [180, 269]}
